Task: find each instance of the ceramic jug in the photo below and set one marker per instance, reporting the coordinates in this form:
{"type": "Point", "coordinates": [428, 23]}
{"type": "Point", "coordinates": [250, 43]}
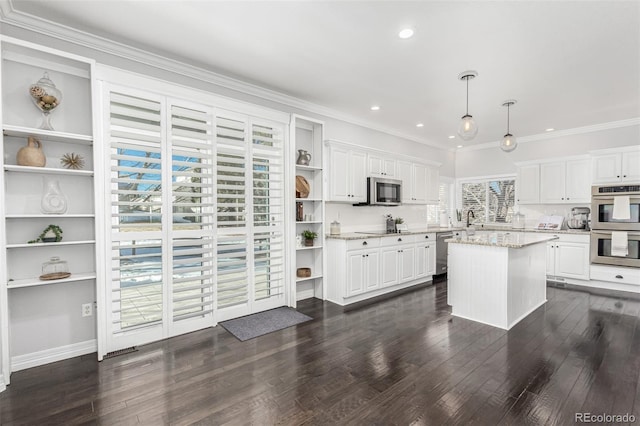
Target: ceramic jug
{"type": "Point", "coordinates": [303, 157]}
{"type": "Point", "coordinates": [31, 155]}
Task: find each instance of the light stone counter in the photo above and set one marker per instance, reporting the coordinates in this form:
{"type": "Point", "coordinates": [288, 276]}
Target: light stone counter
{"type": "Point", "coordinates": [378, 234]}
{"type": "Point", "coordinates": [504, 239]}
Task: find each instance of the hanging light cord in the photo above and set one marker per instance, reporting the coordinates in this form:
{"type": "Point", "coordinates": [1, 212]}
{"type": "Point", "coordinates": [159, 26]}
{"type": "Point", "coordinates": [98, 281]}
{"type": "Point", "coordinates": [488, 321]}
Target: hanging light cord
{"type": "Point", "coordinates": [467, 78]}
{"type": "Point", "coordinates": [508, 105]}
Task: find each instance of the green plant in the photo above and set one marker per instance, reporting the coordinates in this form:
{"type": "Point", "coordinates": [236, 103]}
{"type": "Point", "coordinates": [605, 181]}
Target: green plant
{"type": "Point", "coordinates": [399, 220]}
{"type": "Point", "coordinates": [309, 235]}
{"type": "Point", "coordinates": [53, 228]}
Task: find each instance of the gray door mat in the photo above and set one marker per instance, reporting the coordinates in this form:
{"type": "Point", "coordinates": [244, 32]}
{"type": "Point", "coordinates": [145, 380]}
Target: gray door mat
{"type": "Point", "coordinates": [251, 326]}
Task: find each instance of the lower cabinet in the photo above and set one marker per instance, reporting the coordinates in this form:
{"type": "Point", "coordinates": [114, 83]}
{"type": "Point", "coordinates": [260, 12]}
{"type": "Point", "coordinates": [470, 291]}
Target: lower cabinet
{"type": "Point", "coordinates": [366, 268]}
{"type": "Point", "coordinates": [568, 257]}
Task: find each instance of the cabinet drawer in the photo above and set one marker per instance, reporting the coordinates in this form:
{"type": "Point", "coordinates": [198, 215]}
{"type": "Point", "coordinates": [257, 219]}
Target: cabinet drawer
{"type": "Point", "coordinates": [419, 238]}
{"type": "Point", "coordinates": [364, 243]}
{"type": "Point", "coordinates": [397, 240]}
{"type": "Point", "coordinates": [572, 238]}
{"type": "Point", "coordinates": [615, 274]}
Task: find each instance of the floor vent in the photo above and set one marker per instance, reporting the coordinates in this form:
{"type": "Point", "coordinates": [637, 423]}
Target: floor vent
{"type": "Point", "coordinates": [120, 352]}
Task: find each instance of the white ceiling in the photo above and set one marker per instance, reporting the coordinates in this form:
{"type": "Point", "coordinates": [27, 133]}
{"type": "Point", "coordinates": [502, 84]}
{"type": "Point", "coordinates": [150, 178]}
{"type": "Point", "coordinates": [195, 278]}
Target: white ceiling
{"type": "Point", "coordinates": [568, 64]}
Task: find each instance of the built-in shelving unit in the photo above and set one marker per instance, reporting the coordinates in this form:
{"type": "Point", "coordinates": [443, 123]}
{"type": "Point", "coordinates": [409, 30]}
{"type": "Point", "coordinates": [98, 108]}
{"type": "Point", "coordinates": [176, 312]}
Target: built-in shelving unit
{"type": "Point", "coordinates": [307, 135]}
{"type": "Point", "coordinates": [41, 316]}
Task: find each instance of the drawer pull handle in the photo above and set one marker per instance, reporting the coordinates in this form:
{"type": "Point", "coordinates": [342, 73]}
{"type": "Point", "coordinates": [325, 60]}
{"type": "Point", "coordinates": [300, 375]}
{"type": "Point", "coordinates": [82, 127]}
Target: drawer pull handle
{"type": "Point", "coordinates": [399, 239]}
{"type": "Point", "coordinates": [364, 243]}
{"type": "Point", "coordinates": [619, 277]}
{"type": "Point", "coordinates": [426, 236]}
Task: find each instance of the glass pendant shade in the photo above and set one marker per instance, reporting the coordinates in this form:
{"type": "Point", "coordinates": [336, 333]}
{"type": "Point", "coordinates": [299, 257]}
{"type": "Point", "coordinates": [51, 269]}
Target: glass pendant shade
{"type": "Point", "coordinates": [509, 143]}
{"type": "Point", "coordinates": [468, 128]}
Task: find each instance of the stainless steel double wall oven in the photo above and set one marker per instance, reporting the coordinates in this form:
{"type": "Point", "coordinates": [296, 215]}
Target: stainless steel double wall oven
{"type": "Point", "coordinates": [603, 224]}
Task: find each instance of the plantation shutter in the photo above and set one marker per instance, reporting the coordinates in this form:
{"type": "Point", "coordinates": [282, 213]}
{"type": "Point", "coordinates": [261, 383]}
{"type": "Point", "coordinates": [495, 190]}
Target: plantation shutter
{"type": "Point", "coordinates": [491, 200]}
{"type": "Point", "coordinates": [232, 204]}
{"type": "Point", "coordinates": [135, 141]}
{"type": "Point", "coordinates": [268, 210]}
{"type": "Point", "coordinates": [193, 214]}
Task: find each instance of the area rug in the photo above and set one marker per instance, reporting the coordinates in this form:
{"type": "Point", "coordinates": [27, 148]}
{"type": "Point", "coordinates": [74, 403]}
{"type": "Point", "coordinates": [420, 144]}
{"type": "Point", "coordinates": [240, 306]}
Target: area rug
{"type": "Point", "coordinates": [251, 326]}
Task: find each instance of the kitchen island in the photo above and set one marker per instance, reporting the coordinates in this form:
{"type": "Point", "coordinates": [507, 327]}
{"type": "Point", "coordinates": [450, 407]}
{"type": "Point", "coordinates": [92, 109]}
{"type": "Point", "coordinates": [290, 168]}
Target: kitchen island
{"type": "Point", "coordinates": [497, 278]}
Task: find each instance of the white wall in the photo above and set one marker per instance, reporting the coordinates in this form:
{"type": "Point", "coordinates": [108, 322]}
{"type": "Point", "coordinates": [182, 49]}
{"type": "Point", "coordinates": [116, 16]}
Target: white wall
{"type": "Point", "coordinates": [493, 161]}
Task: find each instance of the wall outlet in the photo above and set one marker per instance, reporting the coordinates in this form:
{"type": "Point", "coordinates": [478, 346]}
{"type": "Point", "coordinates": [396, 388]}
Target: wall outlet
{"type": "Point", "coordinates": [87, 309]}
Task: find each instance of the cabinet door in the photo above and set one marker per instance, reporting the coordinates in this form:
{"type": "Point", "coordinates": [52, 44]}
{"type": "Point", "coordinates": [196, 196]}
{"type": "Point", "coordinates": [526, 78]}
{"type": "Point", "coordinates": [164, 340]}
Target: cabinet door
{"type": "Point", "coordinates": [376, 165]}
{"type": "Point", "coordinates": [606, 168]}
{"type": "Point", "coordinates": [355, 272]}
{"type": "Point", "coordinates": [389, 263]}
{"type": "Point", "coordinates": [339, 188]}
{"type": "Point", "coordinates": [407, 263]}
{"type": "Point", "coordinates": [421, 260]}
{"type": "Point", "coordinates": [433, 185]}
{"type": "Point", "coordinates": [552, 177]}
{"type": "Point", "coordinates": [372, 270]}
{"type": "Point", "coordinates": [419, 184]}
{"type": "Point", "coordinates": [572, 260]}
{"type": "Point", "coordinates": [358, 172]}
{"type": "Point", "coordinates": [551, 258]}
{"type": "Point", "coordinates": [389, 167]}
{"type": "Point", "coordinates": [405, 175]}
{"type": "Point", "coordinates": [431, 259]}
{"type": "Point", "coordinates": [631, 166]}
{"type": "Point", "coordinates": [578, 181]}
{"type": "Point", "coordinates": [528, 187]}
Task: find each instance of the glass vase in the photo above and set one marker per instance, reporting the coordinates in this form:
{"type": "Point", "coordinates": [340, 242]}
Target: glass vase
{"type": "Point", "coordinates": [53, 200]}
{"type": "Point", "coordinates": [46, 96]}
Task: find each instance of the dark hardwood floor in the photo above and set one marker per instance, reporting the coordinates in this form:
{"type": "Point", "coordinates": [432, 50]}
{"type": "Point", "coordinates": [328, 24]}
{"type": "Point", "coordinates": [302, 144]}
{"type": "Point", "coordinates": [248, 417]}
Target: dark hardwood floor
{"type": "Point", "coordinates": [403, 360]}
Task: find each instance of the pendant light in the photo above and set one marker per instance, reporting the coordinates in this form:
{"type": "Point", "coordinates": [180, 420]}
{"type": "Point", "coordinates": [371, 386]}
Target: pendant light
{"type": "Point", "coordinates": [509, 142]}
{"type": "Point", "coordinates": [468, 128]}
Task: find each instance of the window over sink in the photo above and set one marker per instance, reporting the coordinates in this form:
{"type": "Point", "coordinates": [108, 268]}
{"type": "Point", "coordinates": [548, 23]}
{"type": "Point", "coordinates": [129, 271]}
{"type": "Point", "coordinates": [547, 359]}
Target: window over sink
{"type": "Point", "coordinates": [490, 199]}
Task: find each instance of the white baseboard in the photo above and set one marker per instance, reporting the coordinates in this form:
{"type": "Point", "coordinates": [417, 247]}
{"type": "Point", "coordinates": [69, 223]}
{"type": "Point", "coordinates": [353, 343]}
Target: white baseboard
{"type": "Point", "coordinates": [34, 359]}
{"type": "Point", "coordinates": [3, 385]}
{"type": "Point", "coordinates": [305, 294]}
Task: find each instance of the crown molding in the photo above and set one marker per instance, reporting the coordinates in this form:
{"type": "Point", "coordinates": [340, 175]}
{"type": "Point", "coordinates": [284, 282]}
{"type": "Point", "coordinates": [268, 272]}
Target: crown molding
{"type": "Point", "coordinates": [560, 133]}
{"type": "Point", "coordinates": [11, 16]}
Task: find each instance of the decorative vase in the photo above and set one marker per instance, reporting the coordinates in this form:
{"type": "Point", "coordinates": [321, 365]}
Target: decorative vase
{"type": "Point", "coordinates": [53, 200]}
{"type": "Point", "coordinates": [31, 155]}
{"type": "Point", "coordinates": [303, 158]}
{"type": "Point", "coordinates": [46, 97]}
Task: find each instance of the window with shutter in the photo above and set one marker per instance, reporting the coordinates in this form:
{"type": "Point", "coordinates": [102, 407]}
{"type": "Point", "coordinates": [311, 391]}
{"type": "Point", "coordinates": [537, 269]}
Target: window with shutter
{"type": "Point", "coordinates": [491, 200]}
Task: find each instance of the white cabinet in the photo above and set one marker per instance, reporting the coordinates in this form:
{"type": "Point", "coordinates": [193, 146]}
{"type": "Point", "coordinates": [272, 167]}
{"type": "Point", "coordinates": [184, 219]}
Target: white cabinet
{"type": "Point", "coordinates": [528, 185]}
{"type": "Point", "coordinates": [365, 268]}
{"type": "Point", "coordinates": [362, 272]}
{"type": "Point", "coordinates": [348, 179]}
{"type": "Point", "coordinates": [381, 166]}
{"type": "Point", "coordinates": [616, 167]}
{"type": "Point", "coordinates": [425, 258]}
{"type": "Point", "coordinates": [568, 257]}
{"type": "Point", "coordinates": [414, 182]}
{"type": "Point", "coordinates": [565, 182]}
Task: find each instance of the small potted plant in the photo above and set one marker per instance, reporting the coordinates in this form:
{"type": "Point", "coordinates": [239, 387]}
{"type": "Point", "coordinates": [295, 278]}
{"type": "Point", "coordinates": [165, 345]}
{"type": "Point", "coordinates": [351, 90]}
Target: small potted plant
{"type": "Point", "coordinates": [51, 234]}
{"type": "Point", "coordinates": [399, 221]}
{"type": "Point", "coordinates": [309, 236]}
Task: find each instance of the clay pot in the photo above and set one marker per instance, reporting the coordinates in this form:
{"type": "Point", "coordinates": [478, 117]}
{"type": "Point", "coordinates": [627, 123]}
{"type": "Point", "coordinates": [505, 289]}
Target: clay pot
{"type": "Point", "coordinates": [31, 155]}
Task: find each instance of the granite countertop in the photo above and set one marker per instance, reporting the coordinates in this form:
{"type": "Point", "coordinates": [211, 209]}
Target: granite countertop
{"type": "Point", "coordinates": [376, 234]}
{"type": "Point", "coordinates": [503, 239]}
{"type": "Point", "coordinates": [364, 234]}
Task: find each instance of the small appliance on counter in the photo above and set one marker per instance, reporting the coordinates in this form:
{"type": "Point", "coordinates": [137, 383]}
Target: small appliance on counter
{"type": "Point", "coordinates": [579, 218]}
{"type": "Point", "coordinates": [335, 228]}
{"type": "Point", "coordinates": [518, 221]}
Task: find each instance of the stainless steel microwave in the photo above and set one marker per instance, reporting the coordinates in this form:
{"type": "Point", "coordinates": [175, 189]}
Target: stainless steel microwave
{"type": "Point", "coordinates": [384, 191]}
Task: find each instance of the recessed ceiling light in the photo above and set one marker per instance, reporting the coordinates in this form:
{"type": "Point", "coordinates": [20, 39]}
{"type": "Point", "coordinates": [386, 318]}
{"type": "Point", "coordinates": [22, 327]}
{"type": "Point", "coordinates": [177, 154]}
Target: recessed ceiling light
{"type": "Point", "coordinates": [406, 33]}
{"type": "Point", "coordinates": [550, 129]}
{"type": "Point", "coordinates": [420, 125]}
{"type": "Point", "coordinates": [459, 146]}
{"type": "Point", "coordinates": [375, 107]}
{"type": "Point", "coordinates": [452, 137]}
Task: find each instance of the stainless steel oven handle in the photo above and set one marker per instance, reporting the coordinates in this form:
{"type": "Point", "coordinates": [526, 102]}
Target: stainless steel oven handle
{"type": "Point", "coordinates": [599, 232]}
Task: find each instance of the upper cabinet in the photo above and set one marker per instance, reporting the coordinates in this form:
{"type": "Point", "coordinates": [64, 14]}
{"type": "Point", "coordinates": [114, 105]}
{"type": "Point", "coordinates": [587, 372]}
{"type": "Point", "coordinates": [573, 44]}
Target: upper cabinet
{"type": "Point", "coordinates": [414, 182]}
{"type": "Point", "coordinates": [433, 185]}
{"type": "Point", "coordinates": [554, 182]}
{"type": "Point", "coordinates": [348, 175]}
{"type": "Point", "coordinates": [381, 166]}
{"type": "Point", "coordinates": [565, 182]}
{"type": "Point", "coordinates": [616, 166]}
{"type": "Point", "coordinates": [528, 186]}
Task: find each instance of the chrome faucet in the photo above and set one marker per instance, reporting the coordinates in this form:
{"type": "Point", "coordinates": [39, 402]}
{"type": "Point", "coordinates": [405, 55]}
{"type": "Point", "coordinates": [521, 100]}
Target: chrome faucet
{"type": "Point", "coordinates": [470, 212]}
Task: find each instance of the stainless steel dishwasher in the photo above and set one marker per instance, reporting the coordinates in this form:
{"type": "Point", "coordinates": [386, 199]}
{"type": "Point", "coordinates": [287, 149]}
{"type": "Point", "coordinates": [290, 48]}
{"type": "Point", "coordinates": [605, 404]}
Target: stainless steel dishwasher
{"type": "Point", "coordinates": [441, 252]}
